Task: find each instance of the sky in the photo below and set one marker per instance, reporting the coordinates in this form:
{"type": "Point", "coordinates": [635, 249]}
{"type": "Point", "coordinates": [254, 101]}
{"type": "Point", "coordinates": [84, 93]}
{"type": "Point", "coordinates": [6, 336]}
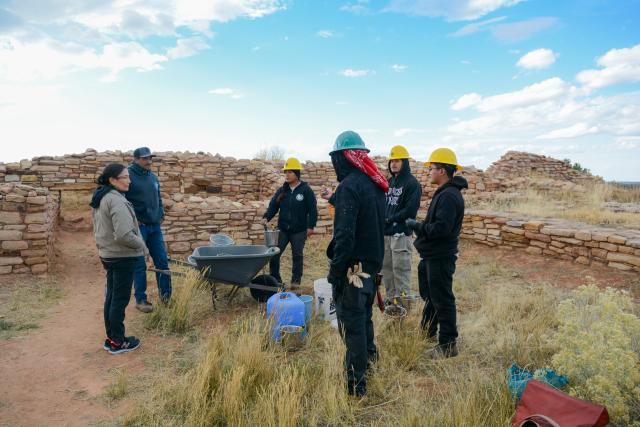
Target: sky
{"type": "Point", "coordinates": [559, 78]}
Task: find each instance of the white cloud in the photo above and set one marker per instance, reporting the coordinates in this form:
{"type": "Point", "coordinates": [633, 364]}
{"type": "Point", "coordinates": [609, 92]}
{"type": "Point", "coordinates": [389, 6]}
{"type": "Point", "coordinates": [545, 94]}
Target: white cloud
{"type": "Point", "coordinates": [522, 30]}
{"type": "Point", "coordinates": [358, 8]}
{"type": "Point", "coordinates": [120, 56]}
{"type": "Point", "coordinates": [399, 133]}
{"type": "Point", "coordinates": [187, 47]}
{"type": "Point", "coordinates": [574, 131]}
{"type": "Point", "coordinates": [466, 101]}
{"type": "Point", "coordinates": [325, 34]}
{"type": "Point", "coordinates": [476, 27]}
{"type": "Point", "coordinates": [227, 91]}
{"type": "Point", "coordinates": [55, 59]}
{"type": "Point", "coordinates": [452, 10]}
{"type": "Point", "coordinates": [399, 68]}
{"type": "Point", "coordinates": [529, 95]}
{"type": "Point", "coordinates": [356, 73]}
{"type": "Point", "coordinates": [619, 66]}
{"type": "Point", "coordinates": [537, 59]}
{"type": "Point", "coordinates": [50, 38]}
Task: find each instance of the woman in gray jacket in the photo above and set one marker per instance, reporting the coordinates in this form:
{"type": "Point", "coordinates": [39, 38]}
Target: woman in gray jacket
{"type": "Point", "coordinates": [120, 246]}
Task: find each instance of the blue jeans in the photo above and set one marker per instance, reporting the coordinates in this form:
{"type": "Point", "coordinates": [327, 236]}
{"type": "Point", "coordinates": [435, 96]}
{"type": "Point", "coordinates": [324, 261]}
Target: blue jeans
{"type": "Point", "coordinates": [152, 236]}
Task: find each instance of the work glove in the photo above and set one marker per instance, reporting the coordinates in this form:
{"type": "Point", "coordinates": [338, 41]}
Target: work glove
{"type": "Point", "coordinates": [412, 224]}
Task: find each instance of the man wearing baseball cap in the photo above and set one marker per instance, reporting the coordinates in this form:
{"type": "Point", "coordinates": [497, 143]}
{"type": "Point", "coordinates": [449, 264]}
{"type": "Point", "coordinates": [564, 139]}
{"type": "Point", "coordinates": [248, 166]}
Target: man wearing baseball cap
{"type": "Point", "coordinates": [144, 195]}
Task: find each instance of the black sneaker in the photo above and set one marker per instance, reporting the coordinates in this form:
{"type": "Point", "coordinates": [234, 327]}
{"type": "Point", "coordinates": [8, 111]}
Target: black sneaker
{"type": "Point", "coordinates": [129, 344]}
{"type": "Point", "coordinates": [107, 344]}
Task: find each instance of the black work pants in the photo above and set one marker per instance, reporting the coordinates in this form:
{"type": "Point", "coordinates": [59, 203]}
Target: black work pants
{"type": "Point", "coordinates": [354, 310]}
{"type": "Point", "coordinates": [118, 292]}
{"type": "Point", "coordinates": [297, 241]}
{"type": "Point", "coordinates": [435, 280]}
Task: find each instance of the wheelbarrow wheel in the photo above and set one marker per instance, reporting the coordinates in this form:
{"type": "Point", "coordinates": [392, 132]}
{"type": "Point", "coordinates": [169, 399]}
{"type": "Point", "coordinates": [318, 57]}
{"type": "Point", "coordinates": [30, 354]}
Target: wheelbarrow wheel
{"type": "Point", "coordinates": [264, 280]}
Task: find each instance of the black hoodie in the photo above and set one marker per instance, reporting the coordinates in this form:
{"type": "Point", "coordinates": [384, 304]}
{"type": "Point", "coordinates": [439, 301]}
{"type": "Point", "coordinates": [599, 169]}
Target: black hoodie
{"type": "Point", "coordinates": [298, 208]}
{"type": "Point", "coordinates": [403, 200]}
{"type": "Point", "coordinates": [438, 235]}
{"type": "Point", "coordinates": [99, 194]}
{"type": "Point", "coordinates": [358, 226]}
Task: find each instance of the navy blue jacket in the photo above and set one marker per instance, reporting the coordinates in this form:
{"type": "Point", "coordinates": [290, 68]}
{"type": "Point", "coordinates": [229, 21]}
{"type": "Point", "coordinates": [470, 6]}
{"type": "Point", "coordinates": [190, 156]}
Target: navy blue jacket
{"type": "Point", "coordinates": [298, 208]}
{"type": "Point", "coordinates": [403, 201]}
{"type": "Point", "coordinates": [144, 195]}
{"type": "Point", "coordinates": [438, 235]}
{"type": "Point", "coordinates": [358, 226]}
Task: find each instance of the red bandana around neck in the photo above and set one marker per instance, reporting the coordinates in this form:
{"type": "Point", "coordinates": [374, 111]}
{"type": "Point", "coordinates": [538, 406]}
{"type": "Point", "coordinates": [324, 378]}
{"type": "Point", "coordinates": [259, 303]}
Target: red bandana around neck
{"type": "Point", "coordinates": [361, 160]}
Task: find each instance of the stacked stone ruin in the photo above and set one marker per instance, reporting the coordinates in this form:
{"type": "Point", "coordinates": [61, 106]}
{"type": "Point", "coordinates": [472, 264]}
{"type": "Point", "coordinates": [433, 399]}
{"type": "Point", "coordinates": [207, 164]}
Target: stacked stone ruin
{"type": "Point", "coordinates": [205, 194]}
{"type": "Point", "coordinates": [28, 217]}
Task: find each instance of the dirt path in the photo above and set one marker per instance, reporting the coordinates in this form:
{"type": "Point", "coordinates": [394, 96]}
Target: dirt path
{"type": "Point", "coordinates": [56, 375]}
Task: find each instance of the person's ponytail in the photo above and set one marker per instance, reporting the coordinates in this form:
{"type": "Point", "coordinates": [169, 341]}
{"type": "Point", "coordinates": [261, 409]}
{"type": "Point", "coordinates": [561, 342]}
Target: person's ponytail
{"type": "Point", "coordinates": [112, 170]}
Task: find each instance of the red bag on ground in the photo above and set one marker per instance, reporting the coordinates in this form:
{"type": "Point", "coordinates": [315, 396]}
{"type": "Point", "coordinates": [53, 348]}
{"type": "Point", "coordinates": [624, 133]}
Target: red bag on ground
{"type": "Point", "coordinates": [544, 406]}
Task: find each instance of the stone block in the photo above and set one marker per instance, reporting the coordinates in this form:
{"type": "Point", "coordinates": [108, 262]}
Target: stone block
{"type": "Point", "coordinates": [39, 268]}
{"type": "Point", "coordinates": [625, 258]}
{"type": "Point", "coordinates": [10, 217]}
{"type": "Point", "coordinates": [533, 225]}
{"type": "Point", "coordinates": [537, 236]}
{"type": "Point", "coordinates": [583, 260]}
{"type": "Point", "coordinates": [35, 218]}
{"type": "Point", "coordinates": [583, 235]}
{"type": "Point", "coordinates": [560, 232]}
{"type": "Point", "coordinates": [534, 251]}
{"type": "Point", "coordinates": [609, 246]}
{"type": "Point", "coordinates": [10, 235]}
{"type": "Point", "coordinates": [37, 200]}
{"type": "Point", "coordinates": [17, 245]}
{"type": "Point", "coordinates": [619, 240]}
{"type": "Point", "coordinates": [618, 266]}
{"type": "Point", "coordinates": [36, 260]}
{"type": "Point", "coordinates": [10, 261]}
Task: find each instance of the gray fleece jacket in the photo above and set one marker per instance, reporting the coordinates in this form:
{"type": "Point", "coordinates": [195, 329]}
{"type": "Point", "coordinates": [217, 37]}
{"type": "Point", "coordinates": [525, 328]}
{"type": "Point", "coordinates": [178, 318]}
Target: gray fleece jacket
{"type": "Point", "coordinates": [115, 227]}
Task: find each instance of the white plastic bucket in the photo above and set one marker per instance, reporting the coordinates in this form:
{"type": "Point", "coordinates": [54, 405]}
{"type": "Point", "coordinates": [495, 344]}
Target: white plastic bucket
{"type": "Point", "coordinates": [323, 295]}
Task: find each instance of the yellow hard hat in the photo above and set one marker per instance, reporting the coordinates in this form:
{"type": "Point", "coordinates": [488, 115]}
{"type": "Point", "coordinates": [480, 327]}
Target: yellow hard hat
{"type": "Point", "coordinates": [292, 164]}
{"type": "Point", "coordinates": [398, 153]}
{"type": "Point", "coordinates": [444, 155]}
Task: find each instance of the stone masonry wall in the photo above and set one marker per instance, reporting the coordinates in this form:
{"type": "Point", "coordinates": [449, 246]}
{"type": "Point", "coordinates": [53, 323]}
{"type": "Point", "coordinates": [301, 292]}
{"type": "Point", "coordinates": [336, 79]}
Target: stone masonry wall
{"type": "Point", "coordinates": [27, 219]}
{"type": "Point", "coordinates": [205, 194]}
{"type": "Point", "coordinates": [582, 243]}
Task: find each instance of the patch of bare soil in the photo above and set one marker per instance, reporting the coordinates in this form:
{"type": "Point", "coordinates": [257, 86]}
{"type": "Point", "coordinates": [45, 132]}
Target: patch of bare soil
{"type": "Point", "coordinates": [57, 374]}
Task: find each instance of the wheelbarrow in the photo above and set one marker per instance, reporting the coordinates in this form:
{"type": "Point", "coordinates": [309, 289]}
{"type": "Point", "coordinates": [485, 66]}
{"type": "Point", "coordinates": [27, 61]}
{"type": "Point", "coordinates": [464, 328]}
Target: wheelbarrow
{"type": "Point", "coordinates": [235, 265]}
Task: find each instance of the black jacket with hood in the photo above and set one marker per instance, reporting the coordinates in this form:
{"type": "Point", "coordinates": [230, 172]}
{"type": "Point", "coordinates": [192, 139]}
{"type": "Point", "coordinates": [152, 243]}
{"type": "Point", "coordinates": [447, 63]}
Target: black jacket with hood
{"type": "Point", "coordinates": [438, 235]}
{"type": "Point", "coordinates": [298, 208]}
{"type": "Point", "coordinates": [358, 225]}
{"type": "Point", "coordinates": [403, 201]}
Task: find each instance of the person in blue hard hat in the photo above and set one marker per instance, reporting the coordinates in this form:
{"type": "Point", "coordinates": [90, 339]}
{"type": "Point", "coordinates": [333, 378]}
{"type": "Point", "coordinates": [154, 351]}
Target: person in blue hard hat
{"type": "Point", "coordinates": [356, 252]}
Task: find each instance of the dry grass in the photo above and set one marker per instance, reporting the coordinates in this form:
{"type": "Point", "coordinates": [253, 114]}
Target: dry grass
{"type": "Point", "coordinates": [190, 301]}
{"type": "Point", "coordinates": [588, 206]}
{"type": "Point", "coordinates": [238, 377]}
{"type": "Point", "coordinates": [24, 302]}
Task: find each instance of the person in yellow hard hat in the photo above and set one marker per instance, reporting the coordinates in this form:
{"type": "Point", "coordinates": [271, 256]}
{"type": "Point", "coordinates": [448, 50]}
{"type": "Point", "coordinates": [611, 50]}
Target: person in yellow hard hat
{"type": "Point", "coordinates": [298, 214]}
{"type": "Point", "coordinates": [437, 243]}
{"type": "Point", "coordinates": [402, 203]}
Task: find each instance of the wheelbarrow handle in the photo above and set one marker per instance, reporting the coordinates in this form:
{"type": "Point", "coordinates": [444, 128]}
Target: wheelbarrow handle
{"type": "Point", "coordinates": [191, 261]}
{"type": "Point", "coordinates": [273, 250]}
